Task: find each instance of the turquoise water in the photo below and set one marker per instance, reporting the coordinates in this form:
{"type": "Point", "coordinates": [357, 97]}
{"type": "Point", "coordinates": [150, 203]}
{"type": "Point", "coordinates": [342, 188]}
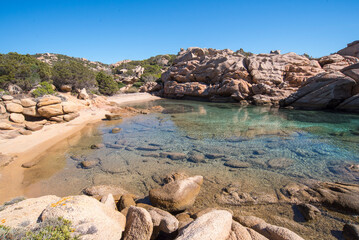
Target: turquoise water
{"type": "Point", "coordinates": [309, 145]}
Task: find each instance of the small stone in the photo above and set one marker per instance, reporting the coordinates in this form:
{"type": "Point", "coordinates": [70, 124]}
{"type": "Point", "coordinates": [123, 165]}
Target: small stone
{"type": "Point", "coordinates": [280, 163]}
{"type": "Point", "coordinates": [308, 211]}
{"type": "Point", "coordinates": [237, 164]}
{"type": "Point", "coordinates": [163, 221]}
{"type": "Point", "coordinates": [88, 164]}
{"type": "Point", "coordinates": [173, 155]}
{"type": "Point", "coordinates": [30, 164]}
{"type": "Point", "coordinates": [57, 118]}
{"type": "Point", "coordinates": [126, 200]}
{"type": "Point", "coordinates": [116, 130]}
{"type": "Point", "coordinates": [83, 94]}
{"type": "Point", "coordinates": [196, 158]}
{"type": "Point", "coordinates": [33, 126]}
{"type": "Point", "coordinates": [97, 146]}
{"type": "Point", "coordinates": [17, 118]}
{"type": "Point", "coordinates": [113, 116]}
{"type": "Point", "coordinates": [149, 148]}
{"type": "Point", "coordinates": [214, 155]}
{"type": "Point", "coordinates": [66, 88]}
{"type": "Point", "coordinates": [104, 190]}
{"type": "Point", "coordinates": [109, 201]}
{"type": "Point", "coordinates": [25, 132]}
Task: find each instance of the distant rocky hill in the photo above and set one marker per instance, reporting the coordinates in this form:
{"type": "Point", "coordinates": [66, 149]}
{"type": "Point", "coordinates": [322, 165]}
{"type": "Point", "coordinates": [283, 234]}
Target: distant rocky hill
{"type": "Point", "coordinates": [52, 58]}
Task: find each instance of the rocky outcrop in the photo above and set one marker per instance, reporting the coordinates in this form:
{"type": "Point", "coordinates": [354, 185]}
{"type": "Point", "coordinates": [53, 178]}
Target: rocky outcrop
{"type": "Point", "coordinates": [352, 49]}
{"type": "Point", "coordinates": [176, 195]}
{"type": "Point", "coordinates": [223, 74]}
{"type": "Point", "coordinates": [323, 91]}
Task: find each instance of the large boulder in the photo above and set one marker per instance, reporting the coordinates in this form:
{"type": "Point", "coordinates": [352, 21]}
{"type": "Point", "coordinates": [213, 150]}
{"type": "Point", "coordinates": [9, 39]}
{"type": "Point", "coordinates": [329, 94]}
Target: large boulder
{"type": "Point", "coordinates": [276, 233]}
{"type": "Point", "coordinates": [83, 94]}
{"type": "Point", "coordinates": [17, 117]}
{"type": "Point", "coordinates": [352, 71]}
{"type": "Point", "coordinates": [177, 195]}
{"type": "Point", "coordinates": [352, 49]}
{"type": "Point", "coordinates": [336, 62]}
{"type": "Point", "coordinates": [48, 100]}
{"type": "Point", "coordinates": [30, 111]}
{"type": "Point", "coordinates": [215, 225]}
{"type": "Point", "coordinates": [323, 91]}
{"type": "Point", "coordinates": [350, 104]}
{"type": "Point", "coordinates": [90, 218]}
{"type": "Point", "coordinates": [13, 107]}
{"type": "Point", "coordinates": [27, 102]}
{"type": "Point", "coordinates": [49, 111]}
{"type": "Point", "coordinates": [163, 221]}
{"type": "Point", "coordinates": [139, 224]}
{"type": "Point", "coordinates": [25, 214]}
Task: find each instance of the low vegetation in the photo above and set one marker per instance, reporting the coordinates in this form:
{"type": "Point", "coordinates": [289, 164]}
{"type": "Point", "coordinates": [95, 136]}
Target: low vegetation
{"type": "Point", "coordinates": [45, 88]}
{"type": "Point", "coordinates": [70, 72]}
{"type": "Point", "coordinates": [22, 70]}
{"type": "Point", "coordinates": [51, 229]}
{"type": "Point", "coordinates": [106, 84]}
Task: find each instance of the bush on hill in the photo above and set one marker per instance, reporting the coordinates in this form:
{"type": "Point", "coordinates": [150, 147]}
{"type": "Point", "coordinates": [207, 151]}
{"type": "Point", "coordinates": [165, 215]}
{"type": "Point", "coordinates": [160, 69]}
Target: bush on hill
{"type": "Point", "coordinates": [106, 84]}
{"type": "Point", "coordinates": [22, 70]}
{"type": "Point", "coordinates": [73, 73]}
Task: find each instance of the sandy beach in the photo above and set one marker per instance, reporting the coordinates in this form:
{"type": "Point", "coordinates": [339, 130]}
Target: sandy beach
{"type": "Point", "coordinates": [26, 148]}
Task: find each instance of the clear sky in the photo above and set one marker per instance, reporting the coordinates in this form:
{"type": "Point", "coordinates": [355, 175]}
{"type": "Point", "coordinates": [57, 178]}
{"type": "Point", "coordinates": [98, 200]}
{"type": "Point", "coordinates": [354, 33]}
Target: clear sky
{"type": "Point", "coordinates": [110, 31]}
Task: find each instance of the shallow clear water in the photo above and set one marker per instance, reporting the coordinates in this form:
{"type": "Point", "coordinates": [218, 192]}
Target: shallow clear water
{"type": "Point", "coordinates": [317, 145]}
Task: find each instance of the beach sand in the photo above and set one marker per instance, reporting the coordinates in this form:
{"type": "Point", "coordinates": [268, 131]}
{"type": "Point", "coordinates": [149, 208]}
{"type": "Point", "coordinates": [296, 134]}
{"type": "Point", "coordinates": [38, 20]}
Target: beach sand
{"type": "Point", "coordinates": [26, 148]}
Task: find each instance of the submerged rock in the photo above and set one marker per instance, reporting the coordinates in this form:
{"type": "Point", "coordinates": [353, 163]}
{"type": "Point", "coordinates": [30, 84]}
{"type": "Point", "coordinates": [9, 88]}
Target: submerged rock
{"type": "Point", "coordinates": [104, 190]}
{"type": "Point", "coordinates": [237, 164]}
{"type": "Point", "coordinates": [177, 195]}
{"type": "Point", "coordinates": [279, 163]}
{"type": "Point", "coordinates": [308, 211]}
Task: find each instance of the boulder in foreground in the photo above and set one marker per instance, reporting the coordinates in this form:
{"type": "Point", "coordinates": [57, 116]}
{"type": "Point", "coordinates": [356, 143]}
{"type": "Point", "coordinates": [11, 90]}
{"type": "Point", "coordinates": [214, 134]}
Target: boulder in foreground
{"type": "Point", "coordinates": [177, 195]}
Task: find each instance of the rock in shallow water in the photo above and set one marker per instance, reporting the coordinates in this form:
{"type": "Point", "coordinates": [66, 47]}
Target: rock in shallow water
{"type": "Point", "coordinates": [177, 195]}
{"type": "Point", "coordinates": [236, 164]}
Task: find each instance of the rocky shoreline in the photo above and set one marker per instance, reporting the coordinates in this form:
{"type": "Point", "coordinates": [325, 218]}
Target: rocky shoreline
{"type": "Point", "coordinates": [286, 80]}
{"type": "Point", "coordinates": [111, 212]}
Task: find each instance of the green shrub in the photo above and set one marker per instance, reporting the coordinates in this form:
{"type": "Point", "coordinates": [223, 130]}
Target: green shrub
{"type": "Point", "coordinates": [138, 84]}
{"type": "Point", "coordinates": [23, 70]}
{"type": "Point", "coordinates": [51, 229]}
{"type": "Point", "coordinates": [106, 84]}
{"type": "Point", "coordinates": [121, 84]}
{"type": "Point", "coordinates": [247, 54]}
{"type": "Point", "coordinates": [132, 90]}
{"type": "Point", "coordinates": [76, 74]}
{"type": "Point", "coordinates": [44, 89]}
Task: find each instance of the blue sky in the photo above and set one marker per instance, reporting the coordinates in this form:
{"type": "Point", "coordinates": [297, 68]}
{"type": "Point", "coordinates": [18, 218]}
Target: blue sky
{"type": "Point", "coordinates": [110, 31]}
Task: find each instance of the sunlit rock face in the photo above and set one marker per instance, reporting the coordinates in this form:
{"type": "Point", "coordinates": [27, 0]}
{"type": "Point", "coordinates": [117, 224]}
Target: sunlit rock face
{"type": "Point", "coordinates": [224, 75]}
